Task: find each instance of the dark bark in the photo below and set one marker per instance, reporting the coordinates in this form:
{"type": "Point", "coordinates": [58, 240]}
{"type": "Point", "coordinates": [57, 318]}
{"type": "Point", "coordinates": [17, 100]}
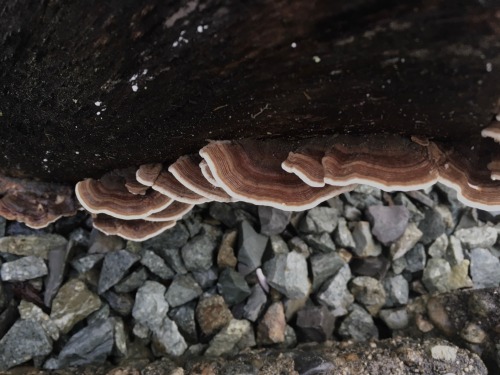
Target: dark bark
{"type": "Point", "coordinates": [409, 67]}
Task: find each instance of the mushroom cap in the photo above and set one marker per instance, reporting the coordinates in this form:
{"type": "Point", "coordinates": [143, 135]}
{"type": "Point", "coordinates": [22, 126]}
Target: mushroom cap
{"type": "Point", "coordinates": [148, 173]}
{"type": "Point", "coordinates": [109, 196]}
{"type": "Point", "coordinates": [134, 230]}
{"type": "Point", "coordinates": [307, 166]}
{"type": "Point", "coordinates": [188, 172]}
{"type": "Point", "coordinates": [205, 170]}
{"type": "Point", "coordinates": [168, 185]}
{"type": "Point", "coordinates": [35, 203]}
{"type": "Point", "coordinates": [492, 131]}
{"type": "Point", "coordinates": [173, 212]}
{"type": "Point", "coordinates": [251, 171]}
{"type": "Point", "coordinates": [384, 161]}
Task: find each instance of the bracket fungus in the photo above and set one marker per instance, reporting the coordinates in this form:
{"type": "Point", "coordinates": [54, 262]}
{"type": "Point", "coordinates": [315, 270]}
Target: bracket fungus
{"type": "Point", "coordinates": [134, 230]}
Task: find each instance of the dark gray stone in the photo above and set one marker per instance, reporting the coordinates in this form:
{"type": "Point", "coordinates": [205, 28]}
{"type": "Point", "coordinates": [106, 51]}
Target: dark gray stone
{"type": "Point", "coordinates": [277, 245]}
{"type": "Point", "coordinates": [184, 317]}
{"type": "Point", "coordinates": [115, 266]}
{"type": "Point", "coordinates": [206, 278]}
{"type": "Point", "coordinates": [315, 323]}
{"type": "Point", "coordinates": [183, 289]}
{"type": "Point", "coordinates": [174, 260]}
{"type": "Point", "coordinates": [416, 258]}
{"type": "Point", "coordinates": [297, 244]}
{"type": "Point", "coordinates": [25, 340]}
{"type": "Point", "coordinates": [168, 340]}
{"type": "Point", "coordinates": [2, 226]}
{"type": "Point", "coordinates": [175, 237]}
{"type": "Point", "coordinates": [397, 290]}
{"type": "Point", "coordinates": [395, 318]}
{"type": "Point", "coordinates": [120, 302]}
{"type": "Point", "coordinates": [132, 282]}
{"type": "Point", "coordinates": [319, 220]}
{"type": "Point", "coordinates": [101, 243]}
{"type": "Point", "coordinates": [358, 325]}
{"type": "Point", "coordinates": [375, 267]}
{"type": "Point", "coordinates": [484, 268]}
{"type": "Point", "coordinates": [415, 214]}
{"type": "Point", "coordinates": [86, 263]}
{"type": "Point", "coordinates": [321, 242]}
{"type": "Point", "coordinates": [251, 246]}
{"type": "Point", "coordinates": [224, 213]}
{"type": "Point", "coordinates": [25, 268]}
{"type": "Point", "coordinates": [198, 254]}
{"type": "Point", "coordinates": [388, 222]}
{"type": "Point", "coordinates": [156, 265]}
{"type": "Point", "coordinates": [334, 293]}
{"type": "Point", "coordinates": [57, 266]}
{"type": "Point", "coordinates": [432, 226]}
{"type": "Point", "coordinates": [323, 267]}
{"type": "Point", "coordinates": [255, 303]}
{"type": "Point", "coordinates": [232, 286]}
{"type": "Point", "coordinates": [80, 237]}
{"type": "Point", "coordinates": [365, 246]}
{"type": "Point", "coordinates": [288, 274]}
{"type": "Point", "coordinates": [272, 220]}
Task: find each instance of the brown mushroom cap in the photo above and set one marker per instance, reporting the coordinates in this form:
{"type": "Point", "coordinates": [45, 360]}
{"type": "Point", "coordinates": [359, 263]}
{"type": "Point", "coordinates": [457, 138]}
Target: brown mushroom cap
{"type": "Point", "coordinates": [188, 172]}
{"type": "Point", "coordinates": [205, 170]}
{"type": "Point", "coordinates": [173, 212]}
{"type": "Point", "coordinates": [492, 131]}
{"type": "Point", "coordinates": [109, 196]}
{"type": "Point", "coordinates": [35, 203]}
{"type": "Point", "coordinates": [167, 184]}
{"type": "Point", "coordinates": [251, 171]}
{"type": "Point", "coordinates": [134, 230]}
{"type": "Point", "coordinates": [148, 173]}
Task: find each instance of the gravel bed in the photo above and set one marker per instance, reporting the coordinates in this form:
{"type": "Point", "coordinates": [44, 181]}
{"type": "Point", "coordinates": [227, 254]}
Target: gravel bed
{"type": "Point", "coordinates": [228, 277]}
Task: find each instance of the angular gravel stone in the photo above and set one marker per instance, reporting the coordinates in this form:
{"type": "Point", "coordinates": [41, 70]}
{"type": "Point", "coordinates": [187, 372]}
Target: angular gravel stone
{"type": "Point", "coordinates": [369, 292]}
{"type": "Point", "coordinates": [482, 237]}
{"type": "Point", "coordinates": [415, 258]}
{"type": "Point", "coordinates": [415, 214]}
{"type": "Point", "coordinates": [365, 246]}
{"type": "Point", "coordinates": [272, 220]}
{"type": "Point", "coordinates": [26, 268]}
{"type": "Point", "coordinates": [439, 246]}
{"type": "Point", "coordinates": [175, 238]}
{"type": "Point", "coordinates": [388, 222]}
{"type": "Point", "coordinates": [150, 305]}
{"type": "Point", "coordinates": [182, 290]}
{"type": "Point", "coordinates": [91, 345]}
{"type": "Point", "coordinates": [397, 291]}
{"type": "Point", "coordinates": [184, 318]}
{"type": "Point", "coordinates": [271, 328]}
{"type": "Point", "coordinates": [432, 226]}
{"type": "Point", "coordinates": [156, 265]}
{"type": "Point", "coordinates": [115, 266]}
{"type": "Point", "coordinates": [174, 260]}
{"type": "Point", "coordinates": [225, 254]}
{"type": "Point", "coordinates": [57, 266]}
{"type": "Point", "coordinates": [38, 245]}
{"type": "Point", "coordinates": [439, 276]}
{"type": "Point", "coordinates": [120, 337]}
{"type": "Point", "coordinates": [334, 293]}
{"type": "Point", "coordinates": [395, 318]}
{"type": "Point", "coordinates": [319, 220]}
{"type": "Point", "coordinates": [315, 323]}
{"type": "Point", "coordinates": [299, 245]}
{"type": "Point", "coordinates": [103, 313]}
{"type": "Point", "coordinates": [224, 213]}
{"type": "Point", "coordinates": [322, 242]}
{"type": "Point", "coordinates": [198, 253]}
{"type": "Point", "coordinates": [454, 253]}
{"type": "Point", "coordinates": [73, 303]}
{"type": "Point", "coordinates": [227, 339]}
{"type": "Point", "coordinates": [358, 325]}
{"type": "Point", "coordinates": [167, 338]}
{"type": "Point", "coordinates": [212, 314]}
{"type": "Point", "coordinates": [277, 245]}
{"type": "Point", "coordinates": [375, 267]}
{"type": "Point", "coordinates": [251, 246]}
{"type": "Point", "coordinates": [2, 226]}
{"type": "Point", "coordinates": [323, 267]}
{"type": "Point", "coordinates": [119, 302]}
{"type": "Point", "coordinates": [343, 236]}
{"type": "Point", "coordinates": [132, 282]}
{"type": "Point", "coordinates": [30, 311]}
{"type": "Point", "coordinates": [484, 268]}
{"type": "Point", "coordinates": [206, 278]}
{"type": "Point", "coordinates": [34, 343]}
{"type": "Point", "coordinates": [102, 243]}
{"type": "Point", "coordinates": [288, 274]}
{"type": "Point", "coordinates": [86, 263]}
{"type": "Point", "coordinates": [409, 239]}
{"type": "Point", "coordinates": [232, 286]}
{"type": "Point", "coordinates": [255, 303]}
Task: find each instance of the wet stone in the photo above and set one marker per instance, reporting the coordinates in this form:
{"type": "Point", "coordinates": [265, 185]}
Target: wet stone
{"type": "Point", "coordinates": [334, 293]}
{"type": "Point", "coordinates": [482, 237]}
{"type": "Point", "coordinates": [485, 268]}
{"type": "Point", "coordinates": [319, 219]}
{"type": "Point", "coordinates": [183, 289]}
{"type": "Point", "coordinates": [323, 267]}
{"type": "Point", "coordinates": [321, 242]}
{"type": "Point", "coordinates": [272, 220]}
{"type": "Point", "coordinates": [343, 236]}
{"type": "Point", "coordinates": [174, 260]}
{"type": "Point", "coordinates": [365, 246]}
{"type": "Point", "coordinates": [432, 226]}
{"type": "Point", "coordinates": [175, 237]}
{"type": "Point", "coordinates": [416, 258]}
{"type": "Point", "coordinates": [439, 246]}
{"type": "Point", "coordinates": [406, 242]}
{"type": "Point", "coordinates": [288, 274]}
{"type": "Point", "coordinates": [198, 253]}
{"type": "Point", "coordinates": [86, 263]}
{"type": "Point", "coordinates": [225, 254]}
{"type": "Point", "coordinates": [358, 325]}
{"type": "Point", "coordinates": [73, 303]}
{"type": "Point", "coordinates": [232, 286]}
{"type": "Point", "coordinates": [26, 268]}
{"type": "Point", "coordinates": [395, 318]}
{"type": "Point", "coordinates": [184, 318]}
{"type": "Point", "coordinates": [255, 303]}
{"type": "Point", "coordinates": [132, 282]}
{"type": "Point", "coordinates": [119, 302]}
{"type": "Point", "coordinates": [35, 343]}
{"type": "Point", "coordinates": [251, 246]}
{"type": "Point", "coordinates": [397, 291]}
{"type": "Point", "coordinates": [212, 314]}
{"type": "Point", "coordinates": [114, 267]}
{"type": "Point", "coordinates": [156, 265]}
{"type": "Point", "coordinates": [369, 292]}
{"type": "Point", "coordinates": [271, 328]}
{"type": "Point", "coordinates": [388, 222]}
{"type": "Point", "coordinates": [30, 311]}
{"type": "Point", "coordinates": [25, 245]}
{"type": "Point", "coordinates": [315, 323]}
{"type": "Point", "coordinates": [57, 266]}
{"type": "Point", "coordinates": [228, 338]}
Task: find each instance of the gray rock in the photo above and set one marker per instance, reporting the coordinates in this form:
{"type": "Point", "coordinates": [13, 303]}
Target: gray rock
{"type": "Point", "coordinates": [183, 289]}
{"type": "Point", "coordinates": [315, 323]}
{"type": "Point", "coordinates": [120, 338]}
{"type": "Point", "coordinates": [343, 236]}
{"type": "Point", "coordinates": [232, 286]}
{"type": "Point", "coordinates": [2, 226]}
{"type": "Point", "coordinates": [288, 274]}
{"type": "Point", "coordinates": [436, 275]}
{"type": "Point", "coordinates": [432, 226]}
{"type": "Point", "coordinates": [36, 245]}
{"type": "Point", "coordinates": [115, 266]}
{"type": "Point", "coordinates": [388, 222]}
{"type": "Point", "coordinates": [365, 246]}
{"type": "Point", "coordinates": [255, 303]}
{"type": "Point", "coordinates": [91, 345]}
{"type": "Point", "coordinates": [251, 246]}
{"type": "Point", "coordinates": [444, 353]}
{"type": "Point", "coordinates": [228, 338]}
{"type": "Point", "coordinates": [321, 242]}
{"type": "Point", "coordinates": [175, 237]}
{"type": "Point", "coordinates": [57, 266]}
{"type": "Point", "coordinates": [484, 268]}
{"type": "Point", "coordinates": [30, 311]}
{"type": "Point", "coordinates": [206, 278]}
{"type": "Point", "coordinates": [319, 220]}
{"type": "Point", "coordinates": [174, 260]}
{"type": "Point", "coordinates": [156, 265]}
{"type": "Point", "coordinates": [397, 291]}
{"type": "Point", "coordinates": [120, 302]}
{"type": "Point", "coordinates": [482, 237]}
{"type": "Point", "coordinates": [150, 305]}
{"type": "Point", "coordinates": [86, 263]}
{"type": "Point", "coordinates": [168, 339]}
{"type": "Point", "coordinates": [103, 313]}
{"type": "Point", "coordinates": [439, 247]}
{"type": "Point", "coordinates": [26, 268]}
{"type": "Point", "coordinates": [132, 282]}
{"type": "Point", "coordinates": [198, 253]}
{"type": "Point", "coordinates": [324, 266]}
{"type": "Point", "coordinates": [415, 214]}
{"type": "Point", "coordinates": [358, 325]}
{"type": "Point", "coordinates": [334, 293]}
{"type": "Point", "coordinates": [375, 267]}
{"type": "Point", "coordinates": [299, 245]}
{"type": "Point", "coordinates": [34, 343]}
{"type": "Point", "coordinates": [415, 258]}
{"type": "Point", "coordinates": [224, 213]}
{"type": "Point", "coordinates": [272, 220]}
{"type": "Point", "coordinates": [290, 337]}
{"type": "Point", "coordinates": [395, 318]}
{"type": "Point", "coordinates": [277, 245]}
{"type": "Point", "coordinates": [369, 292]}
{"type": "Point", "coordinates": [454, 253]}
{"type": "Point", "coordinates": [183, 316]}
{"type": "Point", "coordinates": [352, 213]}
{"type": "Point", "coordinates": [80, 237]}
{"type": "Point", "coordinates": [102, 243]}
{"type": "Point", "coordinates": [409, 239]}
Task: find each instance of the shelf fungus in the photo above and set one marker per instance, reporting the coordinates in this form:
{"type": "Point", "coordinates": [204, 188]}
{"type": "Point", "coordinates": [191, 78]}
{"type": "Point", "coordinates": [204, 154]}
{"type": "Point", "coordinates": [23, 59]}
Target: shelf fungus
{"type": "Point", "coordinates": [134, 230]}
